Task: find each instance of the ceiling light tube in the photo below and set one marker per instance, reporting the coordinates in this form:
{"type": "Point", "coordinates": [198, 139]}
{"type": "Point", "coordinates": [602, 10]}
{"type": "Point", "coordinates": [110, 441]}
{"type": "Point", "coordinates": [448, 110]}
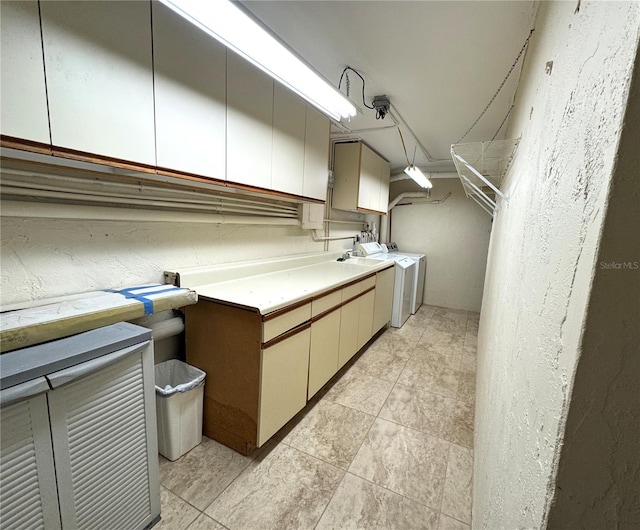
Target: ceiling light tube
{"type": "Point", "coordinates": [417, 175]}
{"type": "Point", "coordinates": [228, 24]}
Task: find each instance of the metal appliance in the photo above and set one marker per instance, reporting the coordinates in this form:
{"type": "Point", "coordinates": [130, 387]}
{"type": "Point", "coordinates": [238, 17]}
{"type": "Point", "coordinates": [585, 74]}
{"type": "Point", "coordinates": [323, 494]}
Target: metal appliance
{"type": "Point", "coordinates": [404, 280]}
{"type": "Point", "coordinates": [421, 274]}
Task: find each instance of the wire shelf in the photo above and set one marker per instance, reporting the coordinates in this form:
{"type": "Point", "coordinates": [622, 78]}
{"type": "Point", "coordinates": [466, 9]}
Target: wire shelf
{"type": "Point", "coordinates": [481, 167]}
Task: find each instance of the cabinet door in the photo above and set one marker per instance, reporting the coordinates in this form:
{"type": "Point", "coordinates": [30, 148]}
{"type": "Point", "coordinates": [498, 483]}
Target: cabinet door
{"type": "Point", "coordinates": [28, 494]}
{"type": "Point", "coordinates": [316, 154]}
{"type": "Point", "coordinates": [24, 99]}
{"type": "Point", "coordinates": [105, 446]}
{"type": "Point", "coordinates": [287, 166]}
{"type": "Point", "coordinates": [369, 188]}
{"type": "Point", "coordinates": [365, 320]}
{"type": "Point", "coordinates": [383, 299]}
{"type": "Point", "coordinates": [349, 320]}
{"type": "Point", "coordinates": [190, 96]}
{"type": "Point", "coordinates": [385, 173]}
{"type": "Point", "coordinates": [346, 176]}
{"type": "Point", "coordinates": [249, 123]}
{"type": "Point", "coordinates": [99, 77]}
{"type": "Point", "coordinates": [323, 353]}
{"type": "Point", "coordinates": [283, 384]}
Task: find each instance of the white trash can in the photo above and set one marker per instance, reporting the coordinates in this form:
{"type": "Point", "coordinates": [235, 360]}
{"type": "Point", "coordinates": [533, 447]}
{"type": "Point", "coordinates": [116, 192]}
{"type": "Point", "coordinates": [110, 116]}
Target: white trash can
{"type": "Point", "coordinates": [179, 396]}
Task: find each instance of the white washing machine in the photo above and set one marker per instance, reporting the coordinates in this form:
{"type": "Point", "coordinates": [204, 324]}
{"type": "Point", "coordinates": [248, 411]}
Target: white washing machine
{"type": "Point", "coordinates": [420, 277]}
{"type": "Point", "coordinates": [404, 280]}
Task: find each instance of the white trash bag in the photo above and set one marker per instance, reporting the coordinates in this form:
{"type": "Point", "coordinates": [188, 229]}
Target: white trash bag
{"type": "Point", "coordinates": [175, 376]}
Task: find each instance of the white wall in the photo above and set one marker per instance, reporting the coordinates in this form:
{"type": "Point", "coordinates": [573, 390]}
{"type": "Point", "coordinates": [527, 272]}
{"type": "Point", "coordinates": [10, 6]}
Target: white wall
{"type": "Point", "coordinates": [454, 236]}
{"type": "Point", "coordinates": [43, 258]}
{"type": "Point", "coordinates": [543, 255]}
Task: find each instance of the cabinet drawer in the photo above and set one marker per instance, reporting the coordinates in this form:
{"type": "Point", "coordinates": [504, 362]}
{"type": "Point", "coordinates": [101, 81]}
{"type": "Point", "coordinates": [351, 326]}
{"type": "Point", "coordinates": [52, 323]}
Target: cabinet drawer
{"type": "Point", "coordinates": [326, 302]}
{"type": "Point", "coordinates": [272, 327]}
{"type": "Point", "coordinates": [368, 283]}
{"type": "Point", "coordinates": [356, 288]}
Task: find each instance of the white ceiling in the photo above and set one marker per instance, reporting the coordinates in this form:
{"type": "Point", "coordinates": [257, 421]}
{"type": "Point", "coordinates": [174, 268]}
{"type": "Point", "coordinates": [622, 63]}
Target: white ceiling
{"type": "Point", "coordinates": [439, 62]}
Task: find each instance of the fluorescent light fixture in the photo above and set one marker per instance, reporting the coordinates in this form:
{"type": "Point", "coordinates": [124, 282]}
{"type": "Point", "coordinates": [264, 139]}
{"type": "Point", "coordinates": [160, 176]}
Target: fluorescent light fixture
{"type": "Point", "coordinates": [231, 26]}
{"type": "Point", "coordinates": [417, 175]}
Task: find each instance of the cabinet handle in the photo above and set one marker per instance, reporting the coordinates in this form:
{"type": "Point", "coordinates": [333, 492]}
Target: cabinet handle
{"type": "Point", "coordinates": [23, 391]}
{"type": "Point", "coordinates": [72, 373]}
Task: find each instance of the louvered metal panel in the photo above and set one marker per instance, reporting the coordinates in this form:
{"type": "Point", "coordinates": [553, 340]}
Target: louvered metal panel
{"type": "Point", "coordinates": [28, 494]}
{"type": "Point", "coordinates": [103, 458]}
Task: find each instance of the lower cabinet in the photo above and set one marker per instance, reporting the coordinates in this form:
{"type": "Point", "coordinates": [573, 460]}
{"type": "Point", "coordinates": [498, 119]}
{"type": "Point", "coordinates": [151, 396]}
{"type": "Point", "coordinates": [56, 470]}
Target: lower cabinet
{"type": "Point", "coordinates": [285, 366]}
{"type": "Point", "coordinates": [83, 455]}
{"type": "Point", "coordinates": [323, 350]}
{"type": "Point", "coordinates": [384, 299]}
{"type": "Point", "coordinates": [262, 369]}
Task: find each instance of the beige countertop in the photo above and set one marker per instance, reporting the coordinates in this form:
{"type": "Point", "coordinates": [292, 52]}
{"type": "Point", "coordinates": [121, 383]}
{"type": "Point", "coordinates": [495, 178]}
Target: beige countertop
{"type": "Point", "coordinates": [265, 290]}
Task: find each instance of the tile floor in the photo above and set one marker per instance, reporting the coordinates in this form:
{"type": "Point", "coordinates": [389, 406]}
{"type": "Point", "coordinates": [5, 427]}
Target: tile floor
{"type": "Point", "coordinates": [387, 444]}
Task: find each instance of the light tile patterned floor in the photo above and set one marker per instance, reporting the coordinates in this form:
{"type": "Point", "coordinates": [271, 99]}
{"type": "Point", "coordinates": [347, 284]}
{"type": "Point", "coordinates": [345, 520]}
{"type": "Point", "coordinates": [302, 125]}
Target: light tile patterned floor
{"type": "Point", "coordinates": [388, 444]}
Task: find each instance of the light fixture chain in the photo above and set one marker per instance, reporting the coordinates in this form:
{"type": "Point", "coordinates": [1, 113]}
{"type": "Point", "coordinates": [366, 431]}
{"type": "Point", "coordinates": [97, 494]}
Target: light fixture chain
{"type": "Point", "coordinates": [524, 47]}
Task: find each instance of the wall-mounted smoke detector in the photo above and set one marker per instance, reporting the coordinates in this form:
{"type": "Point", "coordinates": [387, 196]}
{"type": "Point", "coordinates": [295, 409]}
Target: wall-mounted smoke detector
{"type": "Point", "coordinates": [382, 105]}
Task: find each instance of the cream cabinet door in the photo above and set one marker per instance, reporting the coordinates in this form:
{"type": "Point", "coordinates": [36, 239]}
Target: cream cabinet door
{"type": "Point", "coordinates": [287, 166]}
{"type": "Point", "coordinates": [24, 99]}
{"type": "Point", "coordinates": [349, 320]}
{"type": "Point", "coordinates": [190, 96]}
{"type": "Point", "coordinates": [385, 174]}
{"type": "Point", "coordinates": [365, 318]}
{"type": "Point", "coordinates": [29, 494]}
{"type": "Point", "coordinates": [369, 187]}
{"type": "Point", "coordinates": [383, 299]}
{"type": "Point", "coordinates": [283, 383]}
{"type": "Point", "coordinates": [99, 77]}
{"type": "Point", "coordinates": [323, 353]}
{"type": "Point", "coordinates": [316, 154]}
{"type": "Point", "coordinates": [249, 123]}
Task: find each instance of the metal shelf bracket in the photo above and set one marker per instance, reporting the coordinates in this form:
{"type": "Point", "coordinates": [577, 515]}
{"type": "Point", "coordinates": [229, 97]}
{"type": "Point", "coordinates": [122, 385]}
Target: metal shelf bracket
{"type": "Point", "coordinates": [481, 167]}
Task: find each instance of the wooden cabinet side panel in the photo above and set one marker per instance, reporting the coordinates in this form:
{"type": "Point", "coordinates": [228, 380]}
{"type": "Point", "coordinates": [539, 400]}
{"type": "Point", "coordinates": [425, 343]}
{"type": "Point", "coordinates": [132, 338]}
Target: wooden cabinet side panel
{"type": "Point", "coordinates": [24, 100]}
{"type": "Point", "coordinates": [225, 343]}
{"type": "Point", "coordinates": [383, 299]}
{"type": "Point", "coordinates": [99, 78]}
{"type": "Point", "coordinates": [346, 174]}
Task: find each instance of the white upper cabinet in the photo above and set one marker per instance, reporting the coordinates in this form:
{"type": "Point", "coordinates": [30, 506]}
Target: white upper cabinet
{"type": "Point", "coordinates": [289, 112]}
{"type": "Point", "coordinates": [24, 99]}
{"type": "Point", "coordinates": [316, 154]}
{"type": "Point", "coordinates": [361, 178]}
{"type": "Point", "coordinates": [249, 123]}
{"type": "Point", "coordinates": [190, 96]}
{"type": "Point", "coordinates": [385, 174]}
{"type": "Point", "coordinates": [99, 77]}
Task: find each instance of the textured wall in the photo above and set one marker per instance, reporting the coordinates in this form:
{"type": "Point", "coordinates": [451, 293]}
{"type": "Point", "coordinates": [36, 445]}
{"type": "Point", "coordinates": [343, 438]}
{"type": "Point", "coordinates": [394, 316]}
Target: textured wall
{"type": "Point", "coordinates": [543, 253]}
{"type": "Point", "coordinates": [598, 480]}
{"type": "Point", "coordinates": [51, 257]}
{"type": "Point", "coordinates": [454, 235]}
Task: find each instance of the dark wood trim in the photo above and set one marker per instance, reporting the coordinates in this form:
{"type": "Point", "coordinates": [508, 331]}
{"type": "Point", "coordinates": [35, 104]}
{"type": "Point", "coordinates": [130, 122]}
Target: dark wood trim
{"type": "Point", "coordinates": [284, 336]}
{"type": "Point", "coordinates": [73, 154]}
{"type": "Point", "coordinates": [366, 210]}
{"type": "Point", "coordinates": [63, 152]}
{"type": "Point", "coordinates": [284, 310]}
{"type": "Point", "coordinates": [326, 313]}
{"type": "Point", "coordinates": [165, 172]}
{"type": "Point", "coordinates": [11, 142]}
{"type": "Point", "coordinates": [358, 296]}
{"type": "Point", "coordinates": [353, 282]}
{"type": "Point", "coordinates": [326, 293]}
